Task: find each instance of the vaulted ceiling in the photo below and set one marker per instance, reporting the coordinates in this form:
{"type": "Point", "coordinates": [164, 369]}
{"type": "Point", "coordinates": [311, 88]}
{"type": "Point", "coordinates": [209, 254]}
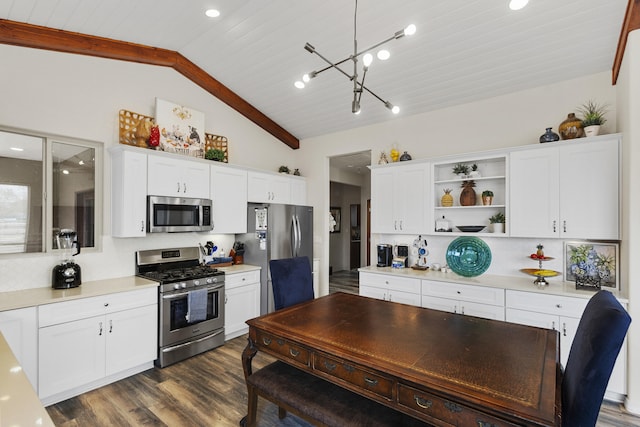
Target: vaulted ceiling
{"type": "Point", "coordinates": [463, 50]}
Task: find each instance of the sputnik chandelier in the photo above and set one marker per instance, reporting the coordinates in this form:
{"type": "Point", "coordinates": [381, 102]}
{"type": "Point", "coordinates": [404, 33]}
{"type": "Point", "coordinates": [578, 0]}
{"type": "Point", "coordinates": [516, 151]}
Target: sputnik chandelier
{"type": "Point", "coordinates": [367, 59]}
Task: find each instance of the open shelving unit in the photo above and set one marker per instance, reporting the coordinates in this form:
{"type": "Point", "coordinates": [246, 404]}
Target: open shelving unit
{"type": "Point", "coordinates": [492, 176]}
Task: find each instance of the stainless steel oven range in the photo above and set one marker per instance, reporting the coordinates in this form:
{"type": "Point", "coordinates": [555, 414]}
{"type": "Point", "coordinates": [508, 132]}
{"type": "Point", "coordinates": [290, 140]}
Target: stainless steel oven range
{"type": "Point", "coordinates": [181, 333]}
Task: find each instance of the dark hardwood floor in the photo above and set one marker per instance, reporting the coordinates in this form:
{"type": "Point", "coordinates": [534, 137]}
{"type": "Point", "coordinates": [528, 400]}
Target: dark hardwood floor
{"type": "Point", "coordinates": [344, 281]}
{"type": "Point", "coordinates": [206, 390]}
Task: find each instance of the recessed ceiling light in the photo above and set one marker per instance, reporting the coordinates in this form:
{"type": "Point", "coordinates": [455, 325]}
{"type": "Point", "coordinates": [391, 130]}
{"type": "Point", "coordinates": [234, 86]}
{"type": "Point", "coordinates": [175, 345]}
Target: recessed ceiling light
{"type": "Point", "coordinates": [17, 149]}
{"type": "Point", "coordinates": [212, 13]}
{"type": "Point", "coordinates": [65, 172]}
{"type": "Point", "coordinates": [517, 4]}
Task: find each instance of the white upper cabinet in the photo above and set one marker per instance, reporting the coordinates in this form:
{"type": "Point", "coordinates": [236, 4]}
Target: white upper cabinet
{"type": "Point", "coordinates": [128, 193]}
{"type": "Point", "coordinates": [566, 190]}
{"type": "Point", "coordinates": [268, 187]}
{"type": "Point", "coordinates": [298, 190]}
{"type": "Point", "coordinates": [399, 198]}
{"type": "Point", "coordinates": [229, 196]}
{"type": "Point", "coordinates": [174, 177]}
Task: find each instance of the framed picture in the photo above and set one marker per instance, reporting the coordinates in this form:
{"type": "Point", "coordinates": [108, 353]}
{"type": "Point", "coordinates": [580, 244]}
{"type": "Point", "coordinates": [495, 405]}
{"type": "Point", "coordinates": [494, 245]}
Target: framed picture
{"type": "Point", "coordinates": [181, 129]}
{"type": "Point", "coordinates": [592, 263]}
{"type": "Point", "coordinates": [334, 220]}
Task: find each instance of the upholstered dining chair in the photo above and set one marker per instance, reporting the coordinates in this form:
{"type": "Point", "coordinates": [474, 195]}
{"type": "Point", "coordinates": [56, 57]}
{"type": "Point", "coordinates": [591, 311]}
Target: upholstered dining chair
{"type": "Point", "coordinates": [593, 354]}
{"type": "Point", "coordinates": [291, 280]}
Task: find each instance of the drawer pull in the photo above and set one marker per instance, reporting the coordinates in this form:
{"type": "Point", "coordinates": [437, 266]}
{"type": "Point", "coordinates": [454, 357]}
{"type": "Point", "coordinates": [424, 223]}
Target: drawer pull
{"type": "Point", "coordinates": [422, 402]}
{"type": "Point", "coordinates": [348, 368]}
{"type": "Point", "coordinates": [370, 381]}
{"type": "Point", "coordinates": [266, 341]}
{"type": "Point", "coordinates": [485, 424]}
{"type": "Point", "coordinates": [294, 352]}
{"type": "Point", "coordinates": [452, 407]}
{"type": "Point", "coordinates": [280, 342]}
{"type": "Point", "coordinates": [330, 366]}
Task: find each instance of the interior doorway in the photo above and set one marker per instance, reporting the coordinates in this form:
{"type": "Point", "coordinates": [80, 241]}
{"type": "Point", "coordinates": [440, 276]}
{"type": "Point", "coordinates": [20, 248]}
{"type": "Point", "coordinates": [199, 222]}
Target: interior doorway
{"type": "Point", "coordinates": [350, 189]}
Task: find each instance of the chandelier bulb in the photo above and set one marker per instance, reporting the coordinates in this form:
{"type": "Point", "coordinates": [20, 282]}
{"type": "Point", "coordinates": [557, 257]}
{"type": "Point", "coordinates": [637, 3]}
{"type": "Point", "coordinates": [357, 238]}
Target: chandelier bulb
{"type": "Point", "coordinates": [355, 107]}
{"type": "Point", "coordinates": [306, 78]}
{"type": "Point", "coordinates": [299, 84]}
{"type": "Point", "coordinates": [383, 55]}
{"type": "Point", "coordinates": [367, 59]}
{"type": "Point", "coordinates": [410, 30]}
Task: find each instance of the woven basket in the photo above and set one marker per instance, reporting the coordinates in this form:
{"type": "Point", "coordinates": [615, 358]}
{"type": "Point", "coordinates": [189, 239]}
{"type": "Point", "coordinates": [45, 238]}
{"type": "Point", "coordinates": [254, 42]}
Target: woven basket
{"type": "Point", "coordinates": [128, 123]}
{"type": "Point", "coordinates": [219, 142]}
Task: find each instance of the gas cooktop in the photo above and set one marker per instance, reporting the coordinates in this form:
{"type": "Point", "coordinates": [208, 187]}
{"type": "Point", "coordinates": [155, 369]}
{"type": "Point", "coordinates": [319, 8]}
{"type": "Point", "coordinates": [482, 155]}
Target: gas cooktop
{"type": "Point", "coordinates": [180, 274]}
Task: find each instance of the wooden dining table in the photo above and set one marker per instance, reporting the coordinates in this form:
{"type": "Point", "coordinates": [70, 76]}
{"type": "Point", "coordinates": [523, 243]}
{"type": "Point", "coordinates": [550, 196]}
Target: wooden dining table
{"type": "Point", "coordinates": [439, 367]}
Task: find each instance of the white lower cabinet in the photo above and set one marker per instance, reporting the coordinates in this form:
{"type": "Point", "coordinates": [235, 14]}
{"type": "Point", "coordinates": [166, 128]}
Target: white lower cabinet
{"type": "Point", "coordinates": [89, 342]}
{"type": "Point", "coordinates": [242, 302]}
{"type": "Point", "coordinates": [471, 300]}
{"type": "Point", "coordinates": [20, 329]}
{"type": "Point", "coordinates": [563, 314]}
{"type": "Point", "coordinates": [404, 290]}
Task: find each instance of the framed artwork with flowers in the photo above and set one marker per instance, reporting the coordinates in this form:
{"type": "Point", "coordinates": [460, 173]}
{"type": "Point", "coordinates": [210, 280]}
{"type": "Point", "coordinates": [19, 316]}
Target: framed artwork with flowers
{"type": "Point", "coordinates": [592, 265]}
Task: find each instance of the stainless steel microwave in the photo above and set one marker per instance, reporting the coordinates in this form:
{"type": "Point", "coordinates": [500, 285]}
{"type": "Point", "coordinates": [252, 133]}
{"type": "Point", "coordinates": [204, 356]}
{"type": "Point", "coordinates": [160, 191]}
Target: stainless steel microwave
{"type": "Point", "coordinates": [178, 214]}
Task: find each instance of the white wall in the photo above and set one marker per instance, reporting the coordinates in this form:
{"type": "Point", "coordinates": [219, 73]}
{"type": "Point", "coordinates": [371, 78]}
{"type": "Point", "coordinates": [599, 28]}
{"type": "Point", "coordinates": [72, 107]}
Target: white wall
{"type": "Point", "coordinates": [80, 96]}
{"type": "Point", "coordinates": [628, 90]}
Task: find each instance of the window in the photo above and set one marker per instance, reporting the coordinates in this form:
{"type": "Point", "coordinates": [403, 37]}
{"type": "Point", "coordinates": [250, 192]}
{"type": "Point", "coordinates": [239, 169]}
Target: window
{"type": "Point", "coordinates": [47, 184]}
{"type": "Point", "coordinates": [14, 218]}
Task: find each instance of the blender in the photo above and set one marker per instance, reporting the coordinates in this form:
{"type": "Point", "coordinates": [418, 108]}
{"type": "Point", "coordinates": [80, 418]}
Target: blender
{"type": "Point", "coordinates": [66, 274]}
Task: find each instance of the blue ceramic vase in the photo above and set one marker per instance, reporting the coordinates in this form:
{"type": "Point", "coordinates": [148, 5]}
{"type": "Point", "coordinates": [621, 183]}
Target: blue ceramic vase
{"type": "Point", "coordinates": [549, 136]}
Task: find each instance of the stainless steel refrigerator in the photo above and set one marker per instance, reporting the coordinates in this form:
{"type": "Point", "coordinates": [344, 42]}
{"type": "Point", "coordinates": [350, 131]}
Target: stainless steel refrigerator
{"type": "Point", "coordinates": [276, 231]}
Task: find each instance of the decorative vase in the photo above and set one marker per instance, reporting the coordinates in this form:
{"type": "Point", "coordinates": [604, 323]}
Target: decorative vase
{"type": "Point", "coordinates": [549, 136]}
{"type": "Point", "coordinates": [383, 159]}
{"type": "Point", "coordinates": [447, 199]}
{"type": "Point", "coordinates": [468, 194]}
{"type": "Point", "coordinates": [405, 156]}
{"type": "Point", "coordinates": [571, 127]}
{"type": "Point", "coordinates": [296, 172]}
{"type": "Point", "coordinates": [592, 130]}
{"type": "Point", "coordinates": [487, 200]}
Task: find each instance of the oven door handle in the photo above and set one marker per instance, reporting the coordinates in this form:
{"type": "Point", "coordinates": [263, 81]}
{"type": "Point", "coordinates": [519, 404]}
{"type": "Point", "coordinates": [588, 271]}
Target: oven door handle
{"type": "Point", "coordinates": [175, 347]}
{"type": "Point", "coordinates": [182, 294]}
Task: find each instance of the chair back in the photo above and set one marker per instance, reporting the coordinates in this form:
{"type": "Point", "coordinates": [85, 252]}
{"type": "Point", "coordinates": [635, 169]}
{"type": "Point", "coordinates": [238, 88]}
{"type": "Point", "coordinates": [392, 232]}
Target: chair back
{"type": "Point", "coordinates": [291, 280]}
{"type": "Point", "coordinates": [593, 353]}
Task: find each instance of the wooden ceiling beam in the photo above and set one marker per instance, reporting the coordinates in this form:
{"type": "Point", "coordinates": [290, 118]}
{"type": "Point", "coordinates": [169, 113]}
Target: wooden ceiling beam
{"type": "Point", "coordinates": [631, 23]}
{"type": "Point", "coordinates": [38, 37]}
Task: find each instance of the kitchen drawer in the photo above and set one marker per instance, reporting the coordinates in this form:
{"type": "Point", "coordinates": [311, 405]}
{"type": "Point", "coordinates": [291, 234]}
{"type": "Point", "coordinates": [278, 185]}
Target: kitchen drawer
{"type": "Point", "coordinates": [479, 294]}
{"type": "Point", "coordinates": [361, 378]}
{"type": "Point", "coordinates": [68, 311]}
{"type": "Point", "coordinates": [550, 304]}
{"type": "Point", "coordinates": [441, 409]}
{"type": "Point", "coordinates": [271, 343]}
{"type": "Point", "coordinates": [241, 279]}
{"type": "Point", "coordinates": [387, 281]}
{"type": "Point", "coordinates": [131, 299]}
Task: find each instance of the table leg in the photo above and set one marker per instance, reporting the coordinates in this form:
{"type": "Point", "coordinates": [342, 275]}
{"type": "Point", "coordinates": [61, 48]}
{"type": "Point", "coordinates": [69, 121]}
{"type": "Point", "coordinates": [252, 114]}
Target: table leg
{"type": "Point", "coordinates": [252, 398]}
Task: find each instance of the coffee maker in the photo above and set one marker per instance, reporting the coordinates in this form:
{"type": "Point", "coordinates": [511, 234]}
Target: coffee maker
{"type": "Point", "coordinates": [66, 274]}
{"type": "Point", "coordinates": [385, 255]}
{"type": "Point", "coordinates": [401, 256]}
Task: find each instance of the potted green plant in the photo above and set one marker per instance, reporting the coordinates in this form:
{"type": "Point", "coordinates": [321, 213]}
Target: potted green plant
{"type": "Point", "coordinates": [475, 173]}
{"type": "Point", "coordinates": [592, 117]}
{"type": "Point", "coordinates": [461, 170]}
{"type": "Point", "coordinates": [487, 197]}
{"type": "Point", "coordinates": [283, 169]}
{"type": "Point", "coordinates": [214, 154]}
{"type": "Point", "coordinates": [497, 222]}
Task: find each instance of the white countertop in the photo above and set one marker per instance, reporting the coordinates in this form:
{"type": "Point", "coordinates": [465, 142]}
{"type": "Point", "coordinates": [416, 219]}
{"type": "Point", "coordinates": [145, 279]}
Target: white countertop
{"type": "Point", "coordinates": [19, 403]}
{"type": "Point", "coordinates": [238, 268]}
{"type": "Point", "coordinates": [524, 283]}
{"type": "Point", "coordinates": [39, 296]}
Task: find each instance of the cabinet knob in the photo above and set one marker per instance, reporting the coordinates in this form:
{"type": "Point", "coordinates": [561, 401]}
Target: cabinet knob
{"type": "Point", "coordinates": [106, 304]}
{"type": "Point", "coordinates": [554, 226]}
{"type": "Point", "coordinates": [178, 190]}
{"type": "Point", "coordinates": [141, 225]}
{"type": "Point", "coordinates": [558, 305]}
{"type": "Point", "coordinates": [564, 226]}
{"type": "Point", "coordinates": [184, 186]}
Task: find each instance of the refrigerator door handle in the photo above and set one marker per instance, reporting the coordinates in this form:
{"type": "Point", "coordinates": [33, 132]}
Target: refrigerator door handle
{"type": "Point", "coordinates": [293, 236]}
{"type": "Point", "coordinates": [299, 234]}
